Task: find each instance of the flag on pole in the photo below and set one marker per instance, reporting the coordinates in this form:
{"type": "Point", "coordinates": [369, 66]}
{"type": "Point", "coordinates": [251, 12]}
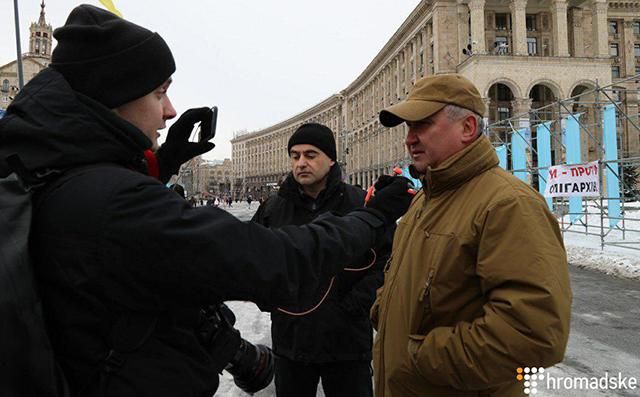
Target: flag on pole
{"type": "Point", "coordinates": [111, 7]}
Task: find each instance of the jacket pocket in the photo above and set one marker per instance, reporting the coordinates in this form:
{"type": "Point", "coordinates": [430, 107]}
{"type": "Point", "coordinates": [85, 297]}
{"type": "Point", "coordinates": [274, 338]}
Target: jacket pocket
{"type": "Point", "coordinates": [424, 302]}
{"type": "Point", "coordinates": [431, 256]}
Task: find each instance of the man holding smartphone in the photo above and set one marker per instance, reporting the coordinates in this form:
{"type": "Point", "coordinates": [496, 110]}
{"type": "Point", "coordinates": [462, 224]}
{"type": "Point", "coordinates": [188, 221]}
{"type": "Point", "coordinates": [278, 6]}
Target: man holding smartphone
{"type": "Point", "coordinates": [123, 264]}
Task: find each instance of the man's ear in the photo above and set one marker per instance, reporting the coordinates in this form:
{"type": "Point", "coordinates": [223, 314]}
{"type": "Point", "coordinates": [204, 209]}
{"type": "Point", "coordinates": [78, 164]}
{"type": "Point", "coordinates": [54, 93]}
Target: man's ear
{"type": "Point", "coordinates": [470, 129]}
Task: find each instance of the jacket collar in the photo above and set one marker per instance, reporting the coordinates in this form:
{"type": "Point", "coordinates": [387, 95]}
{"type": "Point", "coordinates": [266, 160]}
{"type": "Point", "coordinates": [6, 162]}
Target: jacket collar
{"type": "Point", "coordinates": [460, 168]}
{"type": "Point", "coordinates": [292, 190]}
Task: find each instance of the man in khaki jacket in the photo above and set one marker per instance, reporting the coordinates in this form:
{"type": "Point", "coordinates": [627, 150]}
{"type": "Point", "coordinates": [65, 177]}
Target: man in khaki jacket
{"type": "Point", "coordinates": [478, 282]}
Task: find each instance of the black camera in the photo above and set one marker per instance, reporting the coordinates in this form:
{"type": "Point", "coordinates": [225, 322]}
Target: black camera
{"type": "Point", "coordinates": [252, 366]}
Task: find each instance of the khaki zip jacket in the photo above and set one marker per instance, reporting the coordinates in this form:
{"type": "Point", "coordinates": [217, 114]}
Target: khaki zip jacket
{"type": "Point", "coordinates": [477, 285]}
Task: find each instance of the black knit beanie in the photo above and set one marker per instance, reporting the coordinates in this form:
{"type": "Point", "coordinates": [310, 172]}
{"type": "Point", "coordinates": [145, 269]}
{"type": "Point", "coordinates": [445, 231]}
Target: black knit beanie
{"type": "Point", "coordinates": [108, 58]}
{"type": "Point", "coordinates": [317, 135]}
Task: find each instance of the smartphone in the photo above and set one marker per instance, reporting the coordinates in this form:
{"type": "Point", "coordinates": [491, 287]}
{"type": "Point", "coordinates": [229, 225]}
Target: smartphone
{"type": "Point", "coordinates": [208, 128]}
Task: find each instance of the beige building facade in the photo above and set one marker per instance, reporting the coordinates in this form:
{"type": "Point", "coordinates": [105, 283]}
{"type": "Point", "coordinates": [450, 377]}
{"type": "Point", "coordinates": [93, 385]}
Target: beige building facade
{"type": "Point", "coordinates": [521, 54]}
{"type": "Point", "coordinates": [38, 58]}
{"type": "Point", "coordinates": [220, 177]}
{"type": "Point", "coordinates": [204, 179]}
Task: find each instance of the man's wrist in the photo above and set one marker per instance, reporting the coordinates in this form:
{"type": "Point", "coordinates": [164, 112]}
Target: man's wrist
{"type": "Point", "coordinates": [373, 217]}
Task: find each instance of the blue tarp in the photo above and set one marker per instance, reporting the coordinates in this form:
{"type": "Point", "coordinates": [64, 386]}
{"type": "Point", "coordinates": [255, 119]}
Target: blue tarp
{"type": "Point", "coordinates": [612, 168]}
{"type": "Point", "coordinates": [543, 135]}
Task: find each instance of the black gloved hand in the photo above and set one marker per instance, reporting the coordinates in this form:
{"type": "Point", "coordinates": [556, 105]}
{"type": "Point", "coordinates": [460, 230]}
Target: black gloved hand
{"type": "Point", "coordinates": [392, 196]}
{"type": "Point", "coordinates": [177, 149]}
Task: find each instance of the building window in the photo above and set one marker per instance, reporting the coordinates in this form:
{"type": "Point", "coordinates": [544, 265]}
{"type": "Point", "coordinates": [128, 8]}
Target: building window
{"type": "Point", "coordinates": [531, 22]}
{"type": "Point", "coordinates": [5, 85]}
{"type": "Point", "coordinates": [532, 45]}
{"type": "Point", "coordinates": [636, 50]}
{"type": "Point", "coordinates": [613, 49]}
{"type": "Point", "coordinates": [503, 93]}
{"type": "Point", "coordinates": [502, 21]}
{"type": "Point", "coordinates": [546, 48]}
{"type": "Point", "coordinates": [613, 27]}
{"type": "Point", "coordinates": [636, 27]}
{"type": "Point", "coordinates": [503, 113]}
{"type": "Point", "coordinates": [501, 45]}
{"type": "Point", "coordinates": [615, 72]}
{"type": "Point", "coordinates": [637, 70]}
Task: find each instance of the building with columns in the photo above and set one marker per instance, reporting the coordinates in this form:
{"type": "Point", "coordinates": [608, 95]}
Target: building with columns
{"type": "Point", "coordinates": [521, 54]}
{"type": "Point", "coordinates": [38, 58]}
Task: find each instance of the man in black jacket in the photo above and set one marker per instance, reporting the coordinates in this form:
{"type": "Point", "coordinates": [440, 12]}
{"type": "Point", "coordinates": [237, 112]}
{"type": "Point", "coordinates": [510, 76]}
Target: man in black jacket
{"type": "Point", "coordinates": [333, 342]}
{"type": "Point", "coordinates": [116, 252]}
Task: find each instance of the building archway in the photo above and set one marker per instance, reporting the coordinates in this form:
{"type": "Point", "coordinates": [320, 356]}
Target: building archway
{"type": "Point", "coordinates": [500, 109]}
{"type": "Point", "coordinates": [580, 87]}
{"type": "Point", "coordinates": [542, 99]}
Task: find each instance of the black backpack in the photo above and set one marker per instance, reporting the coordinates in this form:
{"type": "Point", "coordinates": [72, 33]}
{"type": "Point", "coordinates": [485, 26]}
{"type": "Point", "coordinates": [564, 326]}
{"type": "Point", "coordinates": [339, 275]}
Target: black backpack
{"type": "Point", "coordinates": [27, 363]}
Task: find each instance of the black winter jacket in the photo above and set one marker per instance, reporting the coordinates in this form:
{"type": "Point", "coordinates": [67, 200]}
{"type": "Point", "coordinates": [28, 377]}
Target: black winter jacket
{"type": "Point", "coordinates": [112, 243]}
{"type": "Point", "coordinates": [339, 329]}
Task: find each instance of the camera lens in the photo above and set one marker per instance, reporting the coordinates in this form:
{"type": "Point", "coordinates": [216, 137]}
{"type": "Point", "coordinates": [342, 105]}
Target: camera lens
{"type": "Point", "coordinates": [252, 367]}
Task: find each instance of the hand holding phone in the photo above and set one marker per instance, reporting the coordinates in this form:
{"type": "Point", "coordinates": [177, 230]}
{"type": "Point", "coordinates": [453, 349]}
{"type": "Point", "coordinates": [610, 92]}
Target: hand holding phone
{"type": "Point", "coordinates": [178, 148]}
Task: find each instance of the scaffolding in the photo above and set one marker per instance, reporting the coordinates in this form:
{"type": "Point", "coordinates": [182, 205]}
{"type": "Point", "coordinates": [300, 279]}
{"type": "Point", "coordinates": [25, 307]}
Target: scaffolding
{"type": "Point", "coordinates": [599, 124]}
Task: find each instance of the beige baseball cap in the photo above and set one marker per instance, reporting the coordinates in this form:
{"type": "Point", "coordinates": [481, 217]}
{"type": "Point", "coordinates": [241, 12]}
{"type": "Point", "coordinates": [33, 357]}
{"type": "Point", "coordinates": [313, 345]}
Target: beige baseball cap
{"type": "Point", "coordinates": [429, 95]}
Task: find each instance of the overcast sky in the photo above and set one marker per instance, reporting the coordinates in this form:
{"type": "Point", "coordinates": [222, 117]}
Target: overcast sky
{"type": "Point", "coordinates": [259, 61]}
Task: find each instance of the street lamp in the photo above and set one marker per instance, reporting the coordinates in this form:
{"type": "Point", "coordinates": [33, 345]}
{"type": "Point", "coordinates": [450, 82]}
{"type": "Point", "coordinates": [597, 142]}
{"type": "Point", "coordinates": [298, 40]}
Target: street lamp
{"type": "Point", "coordinates": [18, 49]}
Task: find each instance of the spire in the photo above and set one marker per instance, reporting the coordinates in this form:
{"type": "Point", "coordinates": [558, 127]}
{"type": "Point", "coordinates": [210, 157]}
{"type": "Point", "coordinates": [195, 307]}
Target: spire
{"type": "Point", "coordinates": [40, 41]}
{"type": "Point", "coordinates": [42, 21]}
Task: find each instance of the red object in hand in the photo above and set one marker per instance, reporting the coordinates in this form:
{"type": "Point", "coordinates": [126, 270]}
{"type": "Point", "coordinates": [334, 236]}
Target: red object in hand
{"type": "Point", "coordinates": [371, 190]}
{"type": "Point", "coordinates": [369, 194]}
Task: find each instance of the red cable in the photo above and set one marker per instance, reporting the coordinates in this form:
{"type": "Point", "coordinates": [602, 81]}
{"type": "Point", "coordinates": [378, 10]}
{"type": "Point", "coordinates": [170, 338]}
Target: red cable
{"type": "Point", "coordinates": [313, 308]}
{"type": "Point", "coordinates": [352, 269]}
{"type": "Point", "coordinates": [349, 269]}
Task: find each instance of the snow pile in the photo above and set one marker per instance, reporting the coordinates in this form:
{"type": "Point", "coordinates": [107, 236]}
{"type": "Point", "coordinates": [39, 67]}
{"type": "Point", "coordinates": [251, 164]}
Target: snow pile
{"type": "Point", "coordinates": [615, 264]}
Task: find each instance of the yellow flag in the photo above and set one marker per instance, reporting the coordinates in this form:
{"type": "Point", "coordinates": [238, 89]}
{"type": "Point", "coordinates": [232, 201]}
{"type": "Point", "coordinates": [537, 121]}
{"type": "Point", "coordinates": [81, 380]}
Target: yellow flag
{"type": "Point", "coordinates": [111, 7]}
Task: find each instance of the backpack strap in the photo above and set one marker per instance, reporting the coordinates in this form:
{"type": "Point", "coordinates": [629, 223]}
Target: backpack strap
{"type": "Point", "coordinates": [128, 335]}
{"type": "Point", "coordinates": [27, 178]}
{"type": "Point", "coordinates": [57, 178]}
